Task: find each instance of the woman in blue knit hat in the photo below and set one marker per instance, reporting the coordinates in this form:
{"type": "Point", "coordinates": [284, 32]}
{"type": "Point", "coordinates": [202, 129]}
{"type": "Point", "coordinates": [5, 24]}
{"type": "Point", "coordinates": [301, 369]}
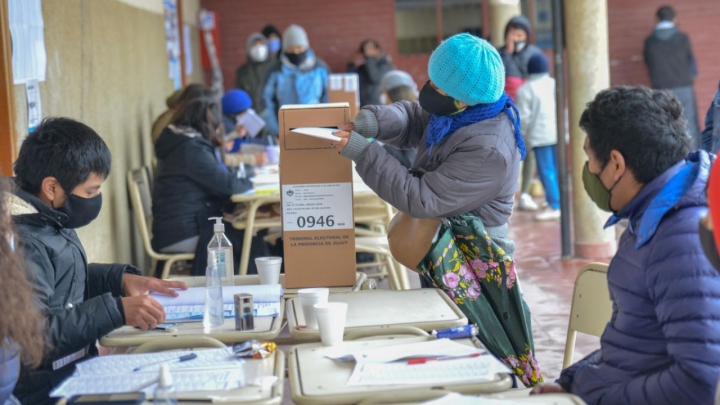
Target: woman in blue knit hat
{"type": "Point", "coordinates": [467, 132]}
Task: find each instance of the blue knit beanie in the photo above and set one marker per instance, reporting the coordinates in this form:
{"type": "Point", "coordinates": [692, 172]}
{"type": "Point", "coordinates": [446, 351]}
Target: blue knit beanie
{"type": "Point", "coordinates": [468, 69]}
{"type": "Point", "coordinates": [235, 101]}
{"type": "Point", "coordinates": [538, 63]}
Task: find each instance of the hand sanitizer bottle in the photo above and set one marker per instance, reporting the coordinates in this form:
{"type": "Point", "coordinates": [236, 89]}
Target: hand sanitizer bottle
{"type": "Point", "coordinates": [165, 392]}
{"type": "Point", "coordinates": [213, 316]}
{"type": "Point", "coordinates": [222, 247]}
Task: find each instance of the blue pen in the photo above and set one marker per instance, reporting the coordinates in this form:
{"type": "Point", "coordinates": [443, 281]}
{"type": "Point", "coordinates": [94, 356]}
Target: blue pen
{"type": "Point", "coordinates": [180, 359]}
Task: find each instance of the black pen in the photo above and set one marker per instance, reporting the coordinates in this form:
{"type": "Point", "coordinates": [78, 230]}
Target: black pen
{"type": "Point", "coordinates": [180, 359]}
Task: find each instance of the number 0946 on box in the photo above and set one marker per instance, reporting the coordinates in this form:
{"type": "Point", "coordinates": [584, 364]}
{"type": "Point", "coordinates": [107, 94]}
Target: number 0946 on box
{"type": "Point", "coordinates": [308, 207]}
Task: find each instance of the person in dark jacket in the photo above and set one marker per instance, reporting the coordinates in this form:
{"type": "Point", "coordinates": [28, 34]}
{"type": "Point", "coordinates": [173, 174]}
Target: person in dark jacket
{"type": "Point", "coordinates": [671, 63]}
{"type": "Point", "coordinates": [371, 65]}
{"type": "Point", "coordinates": [252, 75]}
{"type": "Point", "coordinates": [59, 171]}
{"type": "Point", "coordinates": [516, 55]}
{"type": "Point", "coordinates": [21, 334]}
{"type": "Point", "coordinates": [192, 184]}
{"type": "Point", "coordinates": [710, 137]}
{"type": "Point", "coordinates": [300, 77]}
{"type": "Point", "coordinates": [274, 39]}
{"type": "Point", "coordinates": [661, 345]}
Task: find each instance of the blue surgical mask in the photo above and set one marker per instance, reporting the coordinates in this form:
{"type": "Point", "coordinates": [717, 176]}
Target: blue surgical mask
{"type": "Point", "coordinates": [273, 45]}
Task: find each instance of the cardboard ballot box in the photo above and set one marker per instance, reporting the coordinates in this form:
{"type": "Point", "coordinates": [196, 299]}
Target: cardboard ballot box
{"type": "Point", "coordinates": [345, 88]}
{"type": "Point", "coordinates": [317, 200]}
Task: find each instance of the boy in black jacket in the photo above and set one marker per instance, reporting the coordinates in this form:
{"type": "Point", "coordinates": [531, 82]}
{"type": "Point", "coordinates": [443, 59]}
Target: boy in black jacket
{"type": "Point", "coordinates": [59, 170]}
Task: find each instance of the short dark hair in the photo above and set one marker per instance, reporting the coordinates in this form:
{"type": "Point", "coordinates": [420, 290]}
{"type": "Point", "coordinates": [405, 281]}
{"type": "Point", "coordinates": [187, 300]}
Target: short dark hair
{"type": "Point", "coordinates": [62, 148]}
{"type": "Point", "coordinates": [646, 126]}
{"type": "Point", "coordinates": [666, 13]}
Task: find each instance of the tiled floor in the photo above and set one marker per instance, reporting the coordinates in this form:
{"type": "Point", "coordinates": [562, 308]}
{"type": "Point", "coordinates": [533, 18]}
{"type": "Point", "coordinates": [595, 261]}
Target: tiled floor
{"type": "Point", "coordinates": [547, 283]}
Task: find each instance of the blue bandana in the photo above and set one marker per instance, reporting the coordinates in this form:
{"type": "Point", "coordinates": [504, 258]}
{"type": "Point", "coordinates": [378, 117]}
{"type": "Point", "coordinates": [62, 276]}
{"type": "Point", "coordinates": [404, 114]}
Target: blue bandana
{"type": "Point", "coordinates": [441, 126]}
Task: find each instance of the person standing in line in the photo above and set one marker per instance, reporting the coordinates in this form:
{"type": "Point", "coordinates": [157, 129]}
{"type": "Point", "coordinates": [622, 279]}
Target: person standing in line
{"type": "Point", "coordinates": [711, 134]}
{"type": "Point", "coordinates": [274, 39]}
{"type": "Point", "coordinates": [371, 65]}
{"type": "Point", "coordinates": [671, 64]}
{"type": "Point", "coordinates": [516, 54]}
{"type": "Point", "coordinates": [536, 103]}
{"type": "Point", "coordinates": [251, 76]}
{"type": "Point", "coordinates": [299, 77]}
{"type": "Point", "coordinates": [399, 86]}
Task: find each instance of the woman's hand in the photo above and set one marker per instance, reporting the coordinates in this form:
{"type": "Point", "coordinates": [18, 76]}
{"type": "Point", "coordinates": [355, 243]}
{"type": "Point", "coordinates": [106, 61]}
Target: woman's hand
{"type": "Point", "coordinates": [241, 131]}
{"type": "Point", "coordinates": [347, 127]}
{"type": "Point", "coordinates": [549, 388]}
{"type": "Point", "coordinates": [345, 135]}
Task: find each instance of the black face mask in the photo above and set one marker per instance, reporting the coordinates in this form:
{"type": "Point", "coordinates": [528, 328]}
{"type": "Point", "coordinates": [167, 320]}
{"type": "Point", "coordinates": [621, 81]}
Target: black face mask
{"type": "Point", "coordinates": [81, 211]}
{"type": "Point", "coordinates": [435, 103]}
{"type": "Point", "coordinates": [296, 58]}
{"type": "Point", "coordinates": [707, 240]}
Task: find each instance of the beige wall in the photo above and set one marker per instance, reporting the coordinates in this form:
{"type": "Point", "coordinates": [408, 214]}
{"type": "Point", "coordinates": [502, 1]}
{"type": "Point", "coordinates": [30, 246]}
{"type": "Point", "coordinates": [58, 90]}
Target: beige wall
{"type": "Point", "coordinates": [107, 68]}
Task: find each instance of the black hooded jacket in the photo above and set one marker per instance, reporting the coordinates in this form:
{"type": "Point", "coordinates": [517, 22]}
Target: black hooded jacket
{"type": "Point", "coordinates": [669, 59]}
{"type": "Point", "coordinates": [190, 185]}
{"type": "Point", "coordinates": [81, 301]}
{"type": "Point", "coordinates": [516, 62]}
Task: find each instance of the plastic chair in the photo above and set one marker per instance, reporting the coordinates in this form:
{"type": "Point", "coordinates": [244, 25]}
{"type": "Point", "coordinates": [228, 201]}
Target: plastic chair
{"type": "Point", "coordinates": [177, 343]}
{"type": "Point", "coordinates": [591, 308]}
{"type": "Point", "coordinates": [378, 246]}
{"type": "Point", "coordinates": [141, 201]}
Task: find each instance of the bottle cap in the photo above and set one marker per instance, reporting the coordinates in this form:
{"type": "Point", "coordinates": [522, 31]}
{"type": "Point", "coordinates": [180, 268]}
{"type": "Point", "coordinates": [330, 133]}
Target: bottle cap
{"type": "Point", "coordinates": [165, 379]}
{"type": "Point", "coordinates": [219, 226]}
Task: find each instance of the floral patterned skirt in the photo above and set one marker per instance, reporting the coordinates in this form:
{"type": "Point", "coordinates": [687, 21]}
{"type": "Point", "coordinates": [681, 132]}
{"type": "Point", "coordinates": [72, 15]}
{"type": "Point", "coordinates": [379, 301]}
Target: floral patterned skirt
{"type": "Point", "coordinates": [480, 277]}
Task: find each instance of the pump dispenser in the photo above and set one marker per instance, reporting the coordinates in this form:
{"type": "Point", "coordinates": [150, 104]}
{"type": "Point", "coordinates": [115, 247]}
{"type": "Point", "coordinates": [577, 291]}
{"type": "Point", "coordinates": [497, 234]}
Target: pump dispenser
{"type": "Point", "coordinates": [165, 392]}
{"type": "Point", "coordinates": [223, 249]}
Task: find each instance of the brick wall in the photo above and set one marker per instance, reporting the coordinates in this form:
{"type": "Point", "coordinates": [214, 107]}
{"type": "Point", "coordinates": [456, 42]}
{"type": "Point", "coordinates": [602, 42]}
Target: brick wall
{"type": "Point", "coordinates": [335, 28]}
{"type": "Point", "coordinates": [630, 22]}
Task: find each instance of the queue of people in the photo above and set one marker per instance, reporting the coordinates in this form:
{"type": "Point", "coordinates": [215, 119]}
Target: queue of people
{"type": "Point", "coordinates": [452, 150]}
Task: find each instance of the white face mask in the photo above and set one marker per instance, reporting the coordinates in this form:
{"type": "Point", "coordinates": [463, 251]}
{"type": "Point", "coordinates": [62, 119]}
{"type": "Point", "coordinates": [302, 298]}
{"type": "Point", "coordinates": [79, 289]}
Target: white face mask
{"type": "Point", "coordinates": [259, 53]}
{"type": "Point", "coordinates": [11, 242]}
{"type": "Point", "coordinates": [519, 46]}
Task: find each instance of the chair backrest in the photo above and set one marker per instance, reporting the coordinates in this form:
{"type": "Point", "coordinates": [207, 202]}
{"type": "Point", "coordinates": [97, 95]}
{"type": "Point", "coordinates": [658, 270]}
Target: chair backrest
{"type": "Point", "coordinates": [591, 306]}
{"type": "Point", "coordinates": [141, 200]}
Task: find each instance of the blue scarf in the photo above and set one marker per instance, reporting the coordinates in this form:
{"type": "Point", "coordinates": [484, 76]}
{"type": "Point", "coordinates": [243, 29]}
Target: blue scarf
{"type": "Point", "coordinates": [441, 126]}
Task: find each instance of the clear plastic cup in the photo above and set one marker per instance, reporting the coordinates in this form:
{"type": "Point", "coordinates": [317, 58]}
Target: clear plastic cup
{"type": "Point", "coordinates": [308, 298]}
{"type": "Point", "coordinates": [269, 269]}
{"type": "Point", "coordinates": [331, 318]}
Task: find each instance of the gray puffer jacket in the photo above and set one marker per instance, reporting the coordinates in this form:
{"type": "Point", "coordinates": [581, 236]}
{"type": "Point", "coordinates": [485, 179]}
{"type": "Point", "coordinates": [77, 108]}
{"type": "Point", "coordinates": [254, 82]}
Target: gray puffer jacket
{"type": "Point", "coordinates": [473, 170]}
{"type": "Point", "coordinates": [80, 301]}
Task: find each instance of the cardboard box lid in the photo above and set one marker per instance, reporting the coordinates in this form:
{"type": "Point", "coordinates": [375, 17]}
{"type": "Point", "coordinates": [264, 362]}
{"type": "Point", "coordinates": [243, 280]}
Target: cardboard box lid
{"type": "Point", "coordinates": [310, 106]}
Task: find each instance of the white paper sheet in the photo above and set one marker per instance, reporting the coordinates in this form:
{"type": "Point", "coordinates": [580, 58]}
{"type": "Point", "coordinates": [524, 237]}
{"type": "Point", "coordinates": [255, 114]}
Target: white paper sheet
{"type": "Point", "coordinates": [336, 82]}
{"type": "Point", "coordinates": [322, 133]}
{"type": "Point", "coordinates": [252, 122]}
{"type": "Point", "coordinates": [432, 348]}
{"type": "Point", "coordinates": [126, 363]}
{"type": "Point", "coordinates": [34, 107]}
{"type": "Point", "coordinates": [185, 381]}
{"type": "Point", "coordinates": [321, 206]}
{"type": "Point", "coordinates": [351, 83]}
{"type": "Point", "coordinates": [27, 30]}
{"type": "Point", "coordinates": [196, 295]}
{"type": "Point", "coordinates": [474, 369]}
{"type": "Point", "coordinates": [458, 399]}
